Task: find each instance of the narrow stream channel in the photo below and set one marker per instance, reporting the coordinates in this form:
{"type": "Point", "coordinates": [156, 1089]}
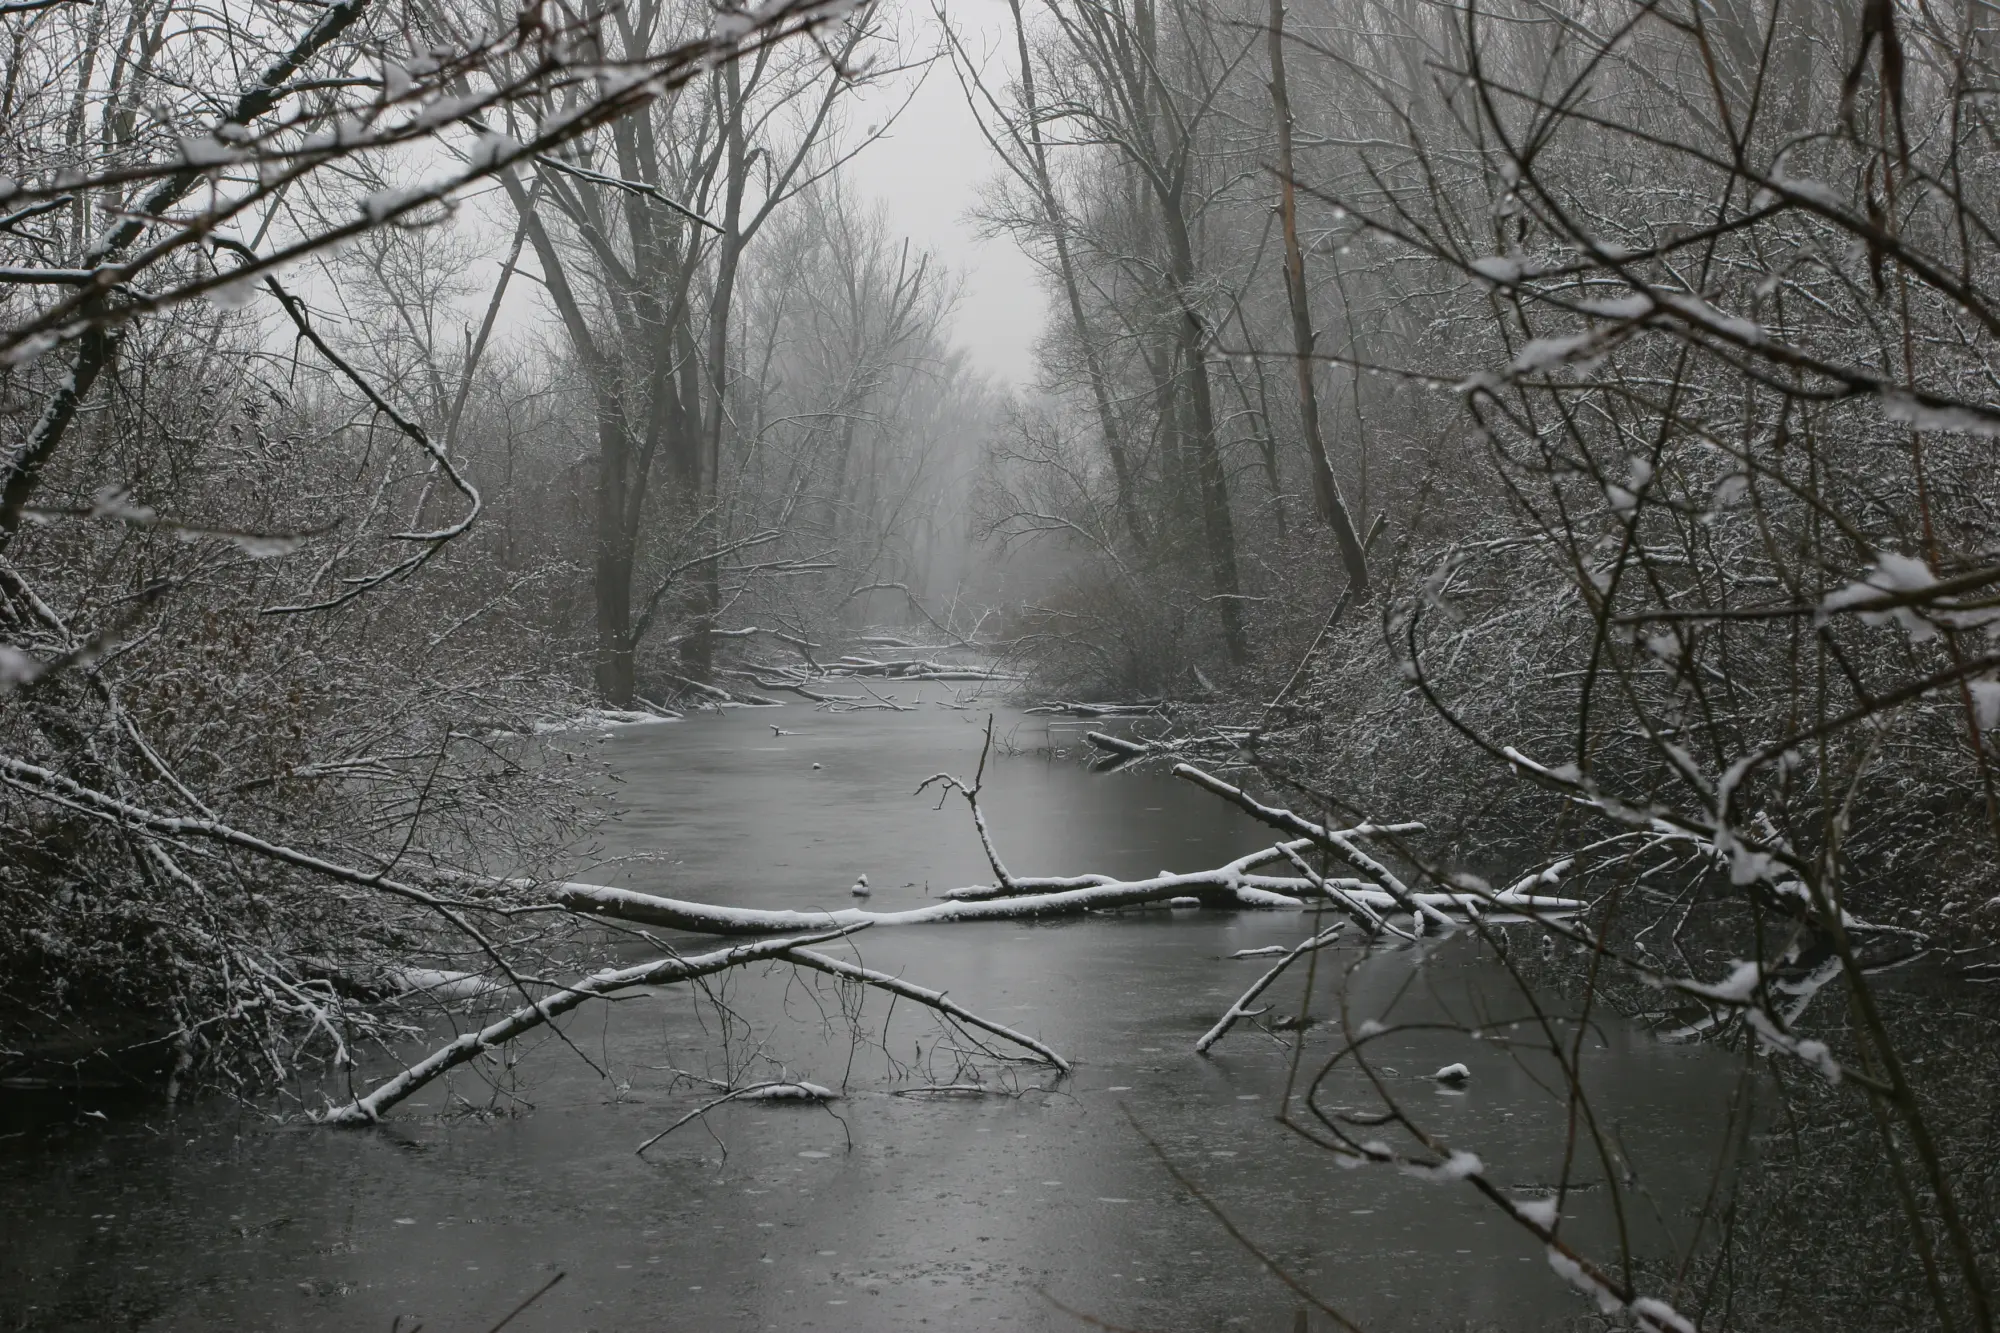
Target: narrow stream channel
{"type": "Point", "coordinates": [896, 1212]}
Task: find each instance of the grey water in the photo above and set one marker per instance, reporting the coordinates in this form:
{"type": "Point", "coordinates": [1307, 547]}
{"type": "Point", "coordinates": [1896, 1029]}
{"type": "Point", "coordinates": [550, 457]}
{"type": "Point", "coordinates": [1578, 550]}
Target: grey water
{"type": "Point", "coordinates": [882, 1212]}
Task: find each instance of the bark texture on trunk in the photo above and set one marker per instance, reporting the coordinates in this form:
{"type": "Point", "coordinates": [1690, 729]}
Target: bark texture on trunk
{"type": "Point", "coordinates": [1326, 488]}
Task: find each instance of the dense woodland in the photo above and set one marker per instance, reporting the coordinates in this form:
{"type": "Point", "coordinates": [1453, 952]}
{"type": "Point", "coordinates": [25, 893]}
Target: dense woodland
{"type": "Point", "coordinates": [1571, 426]}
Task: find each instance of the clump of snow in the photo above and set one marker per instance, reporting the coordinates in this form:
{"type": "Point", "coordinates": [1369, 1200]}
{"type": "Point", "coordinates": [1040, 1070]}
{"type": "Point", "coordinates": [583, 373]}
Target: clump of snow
{"type": "Point", "coordinates": [1730, 490]}
{"type": "Point", "coordinates": [1749, 865]}
{"type": "Point", "coordinates": [1547, 353]}
{"type": "Point", "coordinates": [1453, 1074]}
{"type": "Point", "coordinates": [16, 668]}
{"type": "Point", "coordinates": [1905, 410]}
{"type": "Point", "coordinates": [1537, 1212]}
{"type": "Point", "coordinates": [1458, 1166]}
{"type": "Point", "coordinates": [1572, 1272]}
{"type": "Point", "coordinates": [1624, 499]}
{"type": "Point", "coordinates": [207, 151]}
{"type": "Point", "coordinates": [442, 985]}
{"type": "Point", "coordinates": [1813, 191]}
{"type": "Point", "coordinates": [1892, 573]}
{"type": "Point", "coordinates": [29, 349]}
{"type": "Point", "coordinates": [1502, 269]}
{"type": "Point", "coordinates": [1700, 312]}
{"type": "Point", "coordinates": [1737, 988]}
{"type": "Point", "coordinates": [116, 502]}
{"type": "Point", "coordinates": [1635, 305]}
{"type": "Point", "coordinates": [605, 718]}
{"type": "Point", "coordinates": [262, 546]}
{"type": "Point", "coordinates": [490, 147]}
{"type": "Point", "coordinates": [382, 205]}
{"type": "Point", "coordinates": [444, 110]}
{"type": "Point", "coordinates": [1656, 1316]}
{"type": "Point", "coordinates": [233, 295]}
{"type": "Point", "coordinates": [1985, 703]}
{"type": "Point", "coordinates": [1814, 1053]}
{"type": "Point", "coordinates": [800, 1091]}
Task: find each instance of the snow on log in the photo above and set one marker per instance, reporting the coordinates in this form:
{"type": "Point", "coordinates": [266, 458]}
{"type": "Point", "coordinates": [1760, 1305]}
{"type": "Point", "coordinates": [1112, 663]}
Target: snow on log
{"type": "Point", "coordinates": [659, 972]}
{"type": "Point", "coordinates": [1337, 841]}
{"type": "Point", "coordinates": [1093, 893]}
{"type": "Point", "coordinates": [1226, 887]}
{"type": "Point", "coordinates": [441, 985]}
{"type": "Point", "coordinates": [1118, 744]}
{"type": "Point", "coordinates": [1139, 708]}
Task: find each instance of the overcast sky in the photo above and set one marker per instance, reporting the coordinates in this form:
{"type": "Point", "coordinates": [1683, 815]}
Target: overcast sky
{"type": "Point", "coordinates": [929, 169]}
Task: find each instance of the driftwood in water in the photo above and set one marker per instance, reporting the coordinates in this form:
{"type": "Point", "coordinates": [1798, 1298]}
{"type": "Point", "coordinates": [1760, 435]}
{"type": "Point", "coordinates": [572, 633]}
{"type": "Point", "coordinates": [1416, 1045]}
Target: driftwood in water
{"type": "Point", "coordinates": [668, 971]}
{"type": "Point", "coordinates": [1136, 708]}
{"type": "Point", "coordinates": [1234, 885]}
{"type": "Point", "coordinates": [1241, 1009]}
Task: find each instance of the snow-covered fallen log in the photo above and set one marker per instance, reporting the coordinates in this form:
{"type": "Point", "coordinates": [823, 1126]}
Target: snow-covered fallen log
{"type": "Point", "coordinates": [1118, 745]}
{"type": "Point", "coordinates": [1136, 708]}
{"type": "Point", "coordinates": [1215, 888]}
{"type": "Point", "coordinates": [793, 685]}
{"type": "Point", "coordinates": [666, 972]}
{"type": "Point", "coordinates": [600, 718]}
{"type": "Point", "coordinates": [1340, 842]}
{"type": "Point", "coordinates": [854, 668]}
{"type": "Point", "coordinates": [438, 984]}
{"type": "Point", "coordinates": [1219, 740]}
{"type": "Point", "coordinates": [1232, 886]}
{"type": "Point", "coordinates": [471, 1045]}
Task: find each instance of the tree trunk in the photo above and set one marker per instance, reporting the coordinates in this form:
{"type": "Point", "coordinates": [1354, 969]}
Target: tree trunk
{"type": "Point", "coordinates": [1217, 526]}
{"type": "Point", "coordinates": [1326, 489]}
{"type": "Point", "coordinates": [611, 560]}
{"type": "Point", "coordinates": [1100, 385]}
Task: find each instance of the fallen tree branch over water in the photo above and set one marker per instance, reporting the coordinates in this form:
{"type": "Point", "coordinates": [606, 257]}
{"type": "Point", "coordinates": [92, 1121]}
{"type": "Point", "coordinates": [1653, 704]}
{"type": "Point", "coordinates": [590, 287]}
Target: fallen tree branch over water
{"type": "Point", "coordinates": [1232, 886]}
{"type": "Point", "coordinates": [1223, 887]}
{"type": "Point", "coordinates": [663, 972]}
{"type": "Point", "coordinates": [1235, 885]}
{"type": "Point", "coordinates": [909, 668]}
{"type": "Point", "coordinates": [771, 1090]}
{"type": "Point", "coordinates": [470, 1046]}
{"type": "Point", "coordinates": [1136, 708]}
{"type": "Point", "coordinates": [935, 999]}
{"type": "Point", "coordinates": [1241, 1009]}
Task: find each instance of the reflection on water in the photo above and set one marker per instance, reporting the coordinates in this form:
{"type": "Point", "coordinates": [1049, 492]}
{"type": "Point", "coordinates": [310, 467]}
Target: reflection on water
{"type": "Point", "coordinates": [885, 1212]}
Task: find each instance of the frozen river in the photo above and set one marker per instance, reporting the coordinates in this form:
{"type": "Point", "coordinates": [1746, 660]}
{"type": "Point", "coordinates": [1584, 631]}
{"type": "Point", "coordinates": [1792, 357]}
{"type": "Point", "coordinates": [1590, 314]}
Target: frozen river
{"type": "Point", "coordinates": [892, 1212]}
